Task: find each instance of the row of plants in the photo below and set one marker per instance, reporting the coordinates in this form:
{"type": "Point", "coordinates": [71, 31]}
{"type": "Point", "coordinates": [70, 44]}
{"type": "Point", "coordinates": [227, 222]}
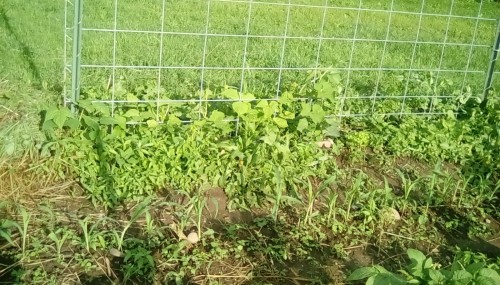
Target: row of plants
{"type": "Point", "coordinates": [316, 183]}
{"type": "Point", "coordinates": [242, 147]}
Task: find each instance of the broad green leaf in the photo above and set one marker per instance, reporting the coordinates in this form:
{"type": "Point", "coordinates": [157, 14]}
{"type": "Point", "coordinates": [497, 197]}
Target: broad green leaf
{"type": "Point", "coordinates": [324, 90]}
{"type": "Point", "coordinates": [335, 78]}
{"type": "Point", "coordinates": [48, 125]}
{"type": "Point", "coordinates": [483, 280]}
{"type": "Point", "coordinates": [262, 104]}
{"type": "Point", "coordinates": [116, 120]}
{"type": "Point", "coordinates": [90, 122]}
{"type": "Point", "coordinates": [217, 116]}
{"type": "Point", "coordinates": [490, 273]}
{"type": "Point", "coordinates": [102, 108]}
{"type": "Point", "coordinates": [282, 123]}
{"type": "Point", "coordinates": [247, 96]}
{"type": "Point", "coordinates": [152, 123]}
{"type": "Point", "coordinates": [147, 115]}
{"type": "Point", "coordinates": [317, 114]}
{"type": "Point", "coordinates": [86, 105]}
{"type": "Point", "coordinates": [428, 263]}
{"type": "Point", "coordinates": [174, 120]}
{"type": "Point", "coordinates": [305, 110]}
{"type": "Point", "coordinates": [270, 138]}
{"type": "Point", "coordinates": [416, 255]}
{"type": "Point", "coordinates": [461, 277]}
{"type": "Point", "coordinates": [303, 124]}
{"type": "Point", "coordinates": [72, 123]}
{"type": "Point", "coordinates": [132, 98]}
{"type": "Point", "coordinates": [387, 278]}
{"type": "Point", "coordinates": [286, 98]}
{"type": "Point", "coordinates": [51, 113]}
{"type": "Point", "coordinates": [362, 273]}
{"type": "Point", "coordinates": [333, 131]}
{"type": "Point", "coordinates": [59, 116]}
{"type": "Point", "coordinates": [231, 94]}
{"type": "Point", "coordinates": [475, 267]}
{"type": "Point", "coordinates": [268, 112]}
{"type": "Point", "coordinates": [417, 262]}
{"type": "Point", "coordinates": [436, 275]}
{"type": "Point", "coordinates": [132, 113]}
{"type": "Point", "coordinates": [241, 108]}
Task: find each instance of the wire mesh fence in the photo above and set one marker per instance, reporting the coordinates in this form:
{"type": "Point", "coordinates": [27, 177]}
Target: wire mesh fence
{"type": "Point", "coordinates": [374, 57]}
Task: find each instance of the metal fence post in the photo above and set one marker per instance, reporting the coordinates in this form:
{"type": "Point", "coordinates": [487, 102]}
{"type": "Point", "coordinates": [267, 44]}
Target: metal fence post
{"type": "Point", "coordinates": [491, 68]}
{"type": "Point", "coordinates": [77, 51]}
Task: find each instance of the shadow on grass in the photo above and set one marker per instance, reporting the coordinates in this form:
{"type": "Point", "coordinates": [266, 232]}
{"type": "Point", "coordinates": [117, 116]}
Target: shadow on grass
{"type": "Point", "coordinates": [26, 52]}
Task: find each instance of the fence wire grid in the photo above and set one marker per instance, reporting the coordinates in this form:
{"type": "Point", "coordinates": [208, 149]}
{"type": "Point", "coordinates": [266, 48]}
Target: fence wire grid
{"type": "Point", "coordinates": [392, 57]}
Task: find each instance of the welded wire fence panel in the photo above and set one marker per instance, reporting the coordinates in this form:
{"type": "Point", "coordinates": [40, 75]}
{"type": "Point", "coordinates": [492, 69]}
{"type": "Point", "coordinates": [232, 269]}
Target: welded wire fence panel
{"type": "Point", "coordinates": [378, 57]}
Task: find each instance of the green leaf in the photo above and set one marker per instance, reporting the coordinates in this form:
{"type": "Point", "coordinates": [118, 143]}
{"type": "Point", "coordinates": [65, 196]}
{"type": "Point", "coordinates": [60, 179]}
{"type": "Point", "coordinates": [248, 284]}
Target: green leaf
{"type": "Point", "coordinates": [132, 98]}
{"type": "Point", "coordinates": [116, 120]}
{"type": "Point", "coordinates": [86, 105]}
{"type": "Point", "coordinates": [6, 236]}
{"type": "Point", "coordinates": [59, 116]}
{"type": "Point", "coordinates": [333, 131]}
{"type": "Point", "coordinates": [436, 275]}
{"type": "Point", "coordinates": [152, 123]}
{"type": "Point", "coordinates": [417, 262]}
{"type": "Point", "coordinates": [306, 110]}
{"type": "Point", "coordinates": [241, 108]}
{"type": "Point", "coordinates": [270, 139]}
{"type": "Point", "coordinates": [262, 104]}
{"type": "Point", "coordinates": [303, 124]}
{"type": "Point", "coordinates": [102, 108]}
{"type": "Point", "coordinates": [461, 277]}
{"type": "Point", "coordinates": [490, 273]}
{"type": "Point", "coordinates": [147, 115]}
{"type": "Point", "coordinates": [362, 273]}
{"type": "Point", "coordinates": [231, 94]}
{"type": "Point", "coordinates": [416, 255]}
{"type": "Point", "coordinates": [72, 123]}
{"type": "Point", "coordinates": [475, 267]}
{"type": "Point", "coordinates": [90, 122]}
{"type": "Point", "coordinates": [132, 113]}
{"type": "Point", "coordinates": [217, 116]}
{"type": "Point", "coordinates": [174, 120]}
{"type": "Point", "coordinates": [428, 263]}
{"type": "Point", "coordinates": [317, 114]}
{"type": "Point", "coordinates": [50, 113]}
{"type": "Point", "coordinates": [483, 280]}
{"type": "Point", "coordinates": [247, 96]}
{"type": "Point", "coordinates": [324, 90]}
{"type": "Point", "coordinates": [282, 123]}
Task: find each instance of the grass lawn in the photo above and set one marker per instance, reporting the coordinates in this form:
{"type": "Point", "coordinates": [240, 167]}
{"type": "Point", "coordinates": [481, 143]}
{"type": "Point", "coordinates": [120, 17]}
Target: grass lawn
{"type": "Point", "coordinates": [289, 195]}
{"type": "Point", "coordinates": [183, 48]}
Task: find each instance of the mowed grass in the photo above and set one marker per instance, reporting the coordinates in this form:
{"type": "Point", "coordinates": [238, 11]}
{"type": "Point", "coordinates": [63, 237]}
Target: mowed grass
{"type": "Point", "coordinates": [33, 49]}
{"type": "Point", "coordinates": [314, 39]}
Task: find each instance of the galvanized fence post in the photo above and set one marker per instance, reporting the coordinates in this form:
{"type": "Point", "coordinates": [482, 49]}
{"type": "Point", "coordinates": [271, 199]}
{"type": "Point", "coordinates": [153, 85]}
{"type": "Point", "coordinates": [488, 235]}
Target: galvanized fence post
{"type": "Point", "coordinates": [488, 84]}
{"type": "Point", "coordinates": [77, 52]}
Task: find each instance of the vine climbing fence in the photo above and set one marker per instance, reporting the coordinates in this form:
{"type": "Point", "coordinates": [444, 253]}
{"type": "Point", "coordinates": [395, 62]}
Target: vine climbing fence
{"type": "Point", "coordinates": [365, 57]}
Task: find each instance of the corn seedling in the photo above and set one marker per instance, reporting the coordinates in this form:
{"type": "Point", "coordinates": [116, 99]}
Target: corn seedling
{"type": "Point", "coordinates": [140, 209]}
{"type": "Point", "coordinates": [312, 195]}
{"type": "Point", "coordinates": [54, 236]}
{"type": "Point", "coordinates": [91, 239]}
